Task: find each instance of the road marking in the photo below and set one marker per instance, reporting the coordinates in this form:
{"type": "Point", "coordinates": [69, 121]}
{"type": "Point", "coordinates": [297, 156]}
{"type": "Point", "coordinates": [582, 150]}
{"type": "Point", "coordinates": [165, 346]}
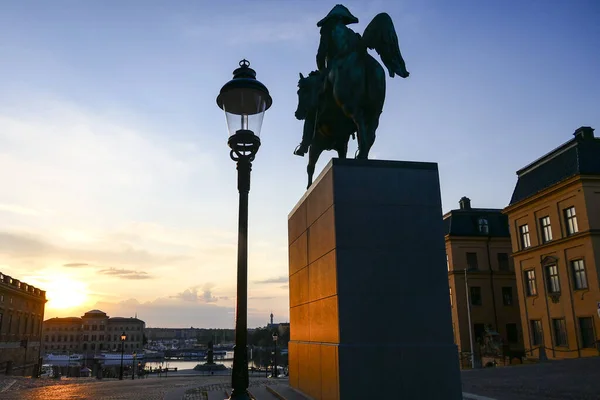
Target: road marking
{"type": "Point", "coordinates": [8, 386]}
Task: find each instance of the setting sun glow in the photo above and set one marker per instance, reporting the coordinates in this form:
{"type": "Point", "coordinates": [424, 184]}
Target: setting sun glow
{"type": "Point", "coordinates": [63, 292]}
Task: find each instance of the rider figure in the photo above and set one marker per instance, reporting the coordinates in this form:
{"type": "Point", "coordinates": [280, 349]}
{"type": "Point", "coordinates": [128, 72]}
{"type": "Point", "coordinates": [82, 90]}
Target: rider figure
{"type": "Point", "coordinates": [337, 40]}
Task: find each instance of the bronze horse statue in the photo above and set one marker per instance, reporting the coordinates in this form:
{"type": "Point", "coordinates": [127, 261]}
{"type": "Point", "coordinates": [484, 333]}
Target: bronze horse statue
{"type": "Point", "coordinates": [355, 79]}
{"type": "Point", "coordinates": [326, 126]}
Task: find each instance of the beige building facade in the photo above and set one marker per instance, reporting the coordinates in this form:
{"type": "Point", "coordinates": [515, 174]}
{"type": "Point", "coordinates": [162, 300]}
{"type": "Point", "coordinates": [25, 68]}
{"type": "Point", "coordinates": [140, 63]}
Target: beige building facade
{"type": "Point", "coordinates": [554, 218]}
{"type": "Point", "coordinates": [481, 277]}
{"type": "Point", "coordinates": [21, 315]}
{"type": "Point", "coordinates": [93, 333]}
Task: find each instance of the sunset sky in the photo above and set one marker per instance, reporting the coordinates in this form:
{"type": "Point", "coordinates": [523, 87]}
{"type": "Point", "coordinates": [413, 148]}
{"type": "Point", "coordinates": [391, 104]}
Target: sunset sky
{"type": "Point", "coordinates": [117, 190]}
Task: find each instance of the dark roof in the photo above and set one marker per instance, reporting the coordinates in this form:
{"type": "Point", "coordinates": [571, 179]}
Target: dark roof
{"type": "Point", "coordinates": [124, 319]}
{"type": "Point", "coordinates": [465, 222]}
{"type": "Point", "coordinates": [578, 156]}
{"type": "Point", "coordinates": [64, 319]}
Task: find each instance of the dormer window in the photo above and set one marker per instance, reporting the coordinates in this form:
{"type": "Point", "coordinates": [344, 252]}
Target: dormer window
{"type": "Point", "coordinates": [483, 226]}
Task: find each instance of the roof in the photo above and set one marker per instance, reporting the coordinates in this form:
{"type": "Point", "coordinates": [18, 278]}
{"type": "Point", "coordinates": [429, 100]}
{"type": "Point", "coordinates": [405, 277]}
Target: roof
{"type": "Point", "coordinates": [64, 319]}
{"type": "Point", "coordinates": [578, 156]}
{"type": "Point", "coordinates": [465, 222]}
{"type": "Point", "coordinates": [125, 319]}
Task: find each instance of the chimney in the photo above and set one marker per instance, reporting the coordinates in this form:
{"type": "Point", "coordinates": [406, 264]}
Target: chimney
{"type": "Point", "coordinates": [465, 203]}
{"type": "Point", "coordinates": [585, 133]}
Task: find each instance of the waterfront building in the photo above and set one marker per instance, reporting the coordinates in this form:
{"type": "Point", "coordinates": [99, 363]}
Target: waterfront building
{"type": "Point", "coordinates": [21, 315]}
{"type": "Point", "coordinates": [554, 217]}
{"type": "Point", "coordinates": [478, 240]}
{"type": "Point", "coordinates": [93, 333]}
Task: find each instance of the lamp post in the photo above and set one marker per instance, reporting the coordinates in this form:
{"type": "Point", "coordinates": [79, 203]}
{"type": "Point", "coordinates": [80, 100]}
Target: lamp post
{"type": "Point", "coordinates": [244, 100]}
{"type": "Point", "coordinates": [469, 318]}
{"type": "Point", "coordinates": [133, 366]}
{"type": "Point", "coordinates": [275, 372]}
{"type": "Point", "coordinates": [123, 338]}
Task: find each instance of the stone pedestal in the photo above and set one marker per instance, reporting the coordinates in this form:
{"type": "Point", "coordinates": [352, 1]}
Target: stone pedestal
{"type": "Point", "coordinates": [369, 298]}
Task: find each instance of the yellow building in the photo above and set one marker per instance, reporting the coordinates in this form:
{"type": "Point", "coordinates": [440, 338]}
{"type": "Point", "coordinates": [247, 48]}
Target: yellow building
{"type": "Point", "coordinates": [93, 333]}
{"type": "Point", "coordinates": [554, 218]}
{"type": "Point", "coordinates": [478, 250]}
{"type": "Point", "coordinates": [21, 315]}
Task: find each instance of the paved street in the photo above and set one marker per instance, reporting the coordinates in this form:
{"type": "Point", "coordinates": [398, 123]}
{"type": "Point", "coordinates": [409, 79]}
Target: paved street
{"type": "Point", "coordinates": [569, 379]}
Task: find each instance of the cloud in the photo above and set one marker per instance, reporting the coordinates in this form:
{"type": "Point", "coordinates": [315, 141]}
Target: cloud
{"type": "Point", "coordinates": [126, 273]}
{"type": "Point", "coordinates": [279, 279]}
{"type": "Point", "coordinates": [193, 295]}
{"type": "Point", "coordinates": [23, 245]}
{"type": "Point", "coordinates": [75, 265]}
{"type": "Point", "coordinates": [17, 209]}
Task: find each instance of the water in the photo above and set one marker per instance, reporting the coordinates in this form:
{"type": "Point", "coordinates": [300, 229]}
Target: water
{"type": "Point", "coordinates": [182, 364]}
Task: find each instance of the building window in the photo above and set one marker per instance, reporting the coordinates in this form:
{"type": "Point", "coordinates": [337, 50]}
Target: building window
{"type": "Point", "coordinates": [586, 329]}
{"type": "Point", "coordinates": [448, 261]}
{"type": "Point", "coordinates": [571, 221]}
{"type": "Point", "coordinates": [530, 280]}
{"type": "Point", "coordinates": [479, 331]}
{"type": "Point", "coordinates": [503, 264]}
{"type": "Point", "coordinates": [472, 261]}
{"type": "Point", "coordinates": [507, 296]}
{"type": "Point", "coordinates": [560, 332]}
{"type": "Point", "coordinates": [475, 295]}
{"type": "Point", "coordinates": [537, 337]}
{"type": "Point", "coordinates": [553, 281]}
{"type": "Point", "coordinates": [524, 234]}
{"type": "Point", "coordinates": [546, 229]}
{"type": "Point", "coordinates": [512, 334]}
{"type": "Point", "coordinates": [451, 303]}
{"type": "Point", "coordinates": [94, 327]}
{"type": "Point", "coordinates": [483, 226]}
{"type": "Point", "coordinates": [579, 277]}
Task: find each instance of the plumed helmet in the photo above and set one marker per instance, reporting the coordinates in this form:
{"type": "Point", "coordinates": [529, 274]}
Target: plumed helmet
{"type": "Point", "coordinates": [339, 12]}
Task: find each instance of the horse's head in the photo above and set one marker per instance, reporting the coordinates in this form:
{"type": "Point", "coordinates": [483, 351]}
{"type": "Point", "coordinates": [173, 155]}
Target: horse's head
{"type": "Point", "coordinates": [308, 94]}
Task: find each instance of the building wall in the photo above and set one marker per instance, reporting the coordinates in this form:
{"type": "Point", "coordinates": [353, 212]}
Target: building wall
{"type": "Point", "coordinates": [21, 316]}
{"type": "Point", "coordinates": [570, 304]}
{"type": "Point", "coordinates": [492, 311]}
{"type": "Point", "coordinates": [62, 335]}
{"type": "Point", "coordinates": [92, 334]}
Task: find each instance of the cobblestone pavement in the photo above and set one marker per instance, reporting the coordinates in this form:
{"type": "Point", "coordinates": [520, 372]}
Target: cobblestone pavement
{"type": "Point", "coordinates": [146, 389]}
{"type": "Point", "coordinates": [577, 379]}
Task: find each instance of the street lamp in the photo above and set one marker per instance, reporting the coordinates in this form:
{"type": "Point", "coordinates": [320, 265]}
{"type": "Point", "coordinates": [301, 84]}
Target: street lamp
{"type": "Point", "coordinates": [469, 317]}
{"type": "Point", "coordinates": [275, 372]}
{"type": "Point", "coordinates": [123, 339]}
{"type": "Point", "coordinates": [244, 100]}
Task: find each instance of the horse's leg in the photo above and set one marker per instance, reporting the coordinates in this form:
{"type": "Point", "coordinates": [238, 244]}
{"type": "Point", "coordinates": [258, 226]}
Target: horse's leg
{"type": "Point", "coordinates": [364, 142]}
{"type": "Point", "coordinates": [371, 129]}
{"type": "Point", "coordinates": [342, 148]}
{"type": "Point", "coordinates": [313, 155]}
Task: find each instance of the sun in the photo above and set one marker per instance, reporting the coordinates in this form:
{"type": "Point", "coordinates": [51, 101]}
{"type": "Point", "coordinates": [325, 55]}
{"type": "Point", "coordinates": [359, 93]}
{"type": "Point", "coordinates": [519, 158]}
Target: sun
{"type": "Point", "coordinates": [63, 292]}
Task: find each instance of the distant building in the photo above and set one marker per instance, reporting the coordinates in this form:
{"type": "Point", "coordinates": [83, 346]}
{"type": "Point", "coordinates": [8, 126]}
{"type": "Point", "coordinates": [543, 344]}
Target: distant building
{"type": "Point", "coordinates": [93, 333]}
{"type": "Point", "coordinates": [554, 216]}
{"type": "Point", "coordinates": [21, 316]}
{"type": "Point", "coordinates": [478, 240]}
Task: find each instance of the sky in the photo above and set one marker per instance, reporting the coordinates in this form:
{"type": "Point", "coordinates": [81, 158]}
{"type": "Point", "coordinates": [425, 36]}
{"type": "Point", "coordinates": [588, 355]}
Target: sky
{"type": "Point", "coordinates": [117, 190]}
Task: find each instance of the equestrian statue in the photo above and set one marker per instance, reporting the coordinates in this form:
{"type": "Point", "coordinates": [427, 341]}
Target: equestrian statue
{"type": "Point", "coordinates": [349, 90]}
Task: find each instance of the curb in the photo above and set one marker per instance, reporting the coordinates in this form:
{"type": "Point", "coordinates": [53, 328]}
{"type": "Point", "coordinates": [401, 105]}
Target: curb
{"type": "Point", "coordinates": [471, 396]}
{"type": "Point", "coordinates": [274, 392]}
